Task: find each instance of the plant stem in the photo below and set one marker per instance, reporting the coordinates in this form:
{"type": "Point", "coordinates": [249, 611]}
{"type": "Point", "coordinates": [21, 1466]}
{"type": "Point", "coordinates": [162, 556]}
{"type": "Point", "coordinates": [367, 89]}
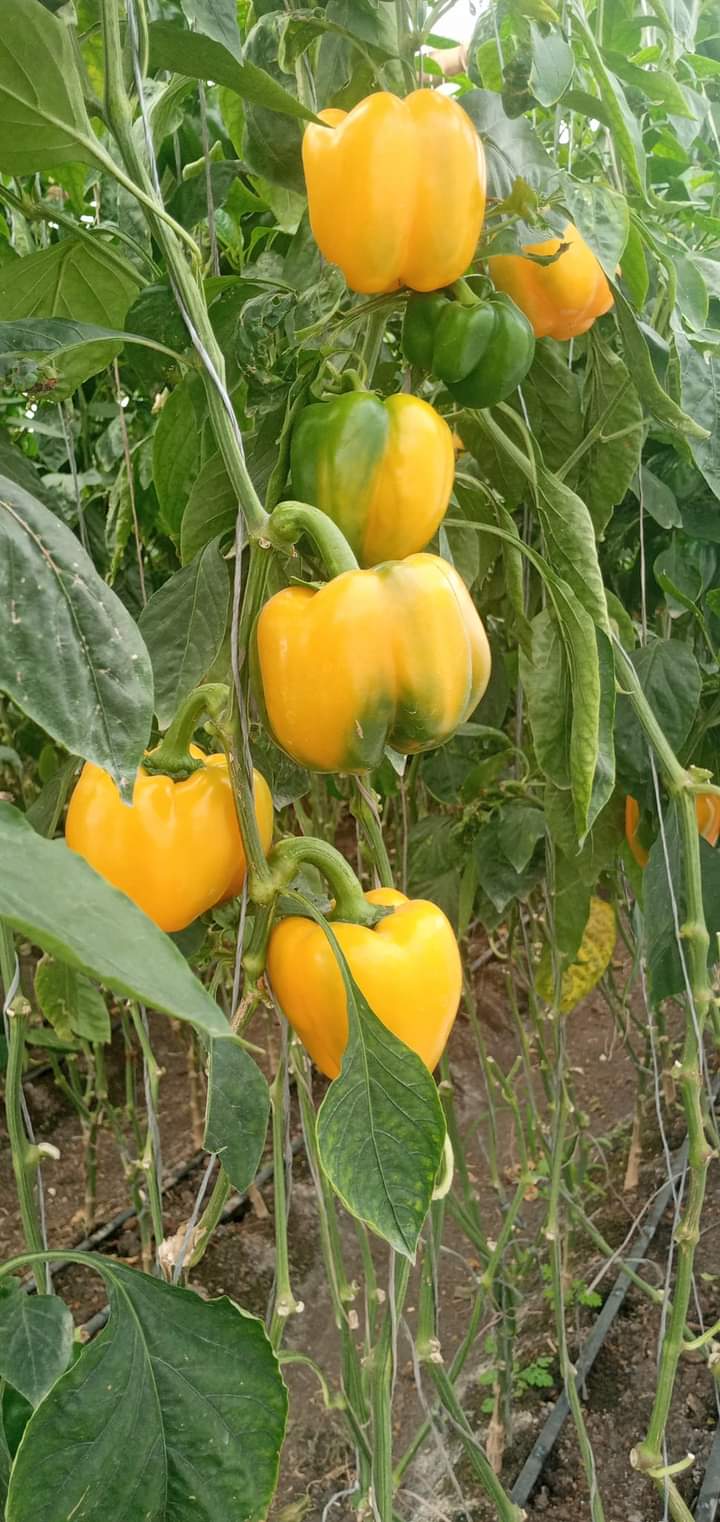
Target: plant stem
{"type": "Point", "coordinates": [25, 1157]}
{"type": "Point", "coordinates": [284, 1302]}
{"type": "Point", "coordinates": [364, 810]}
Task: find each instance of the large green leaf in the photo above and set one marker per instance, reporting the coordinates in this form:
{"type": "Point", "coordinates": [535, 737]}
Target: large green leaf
{"type": "Point", "coordinates": [512, 149]}
{"type": "Point", "coordinates": [381, 1129]}
{"type": "Point", "coordinates": [238, 1105]}
{"type": "Point", "coordinates": [639, 363]}
{"type": "Point", "coordinates": [609, 465]}
{"type": "Point", "coordinates": [670, 678]}
{"type": "Point", "coordinates": [76, 281]}
{"type": "Point", "coordinates": [551, 393]}
{"type": "Point", "coordinates": [48, 340]}
{"type": "Point", "coordinates": [71, 656]}
{"type": "Point", "coordinates": [562, 680]}
{"type": "Point", "coordinates": [216, 19]}
{"type": "Point", "coordinates": [183, 627]}
{"type": "Point", "coordinates": [552, 65]}
{"type": "Point", "coordinates": [272, 147]}
{"type": "Point", "coordinates": [43, 121]}
{"type": "Point", "coordinates": [55, 899]}
{"type": "Point", "coordinates": [211, 510]}
{"type": "Point", "coordinates": [177, 455]}
{"type": "Point", "coordinates": [700, 379]}
{"type": "Point", "coordinates": [175, 1412]}
{"type": "Point", "coordinates": [204, 58]}
{"type": "Point", "coordinates": [570, 542]}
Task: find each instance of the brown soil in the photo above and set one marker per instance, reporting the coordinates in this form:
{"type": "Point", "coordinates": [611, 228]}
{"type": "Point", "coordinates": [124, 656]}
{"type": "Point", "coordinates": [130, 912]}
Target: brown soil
{"type": "Point", "coordinates": [317, 1460]}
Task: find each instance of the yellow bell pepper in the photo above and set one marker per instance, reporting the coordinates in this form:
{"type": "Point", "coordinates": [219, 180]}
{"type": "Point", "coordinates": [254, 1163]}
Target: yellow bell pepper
{"type": "Point", "coordinates": [408, 968]}
{"type": "Point", "coordinates": [394, 656]}
{"type": "Point", "coordinates": [561, 299]}
{"type": "Point", "coordinates": [176, 850]}
{"type": "Point", "coordinates": [396, 190]}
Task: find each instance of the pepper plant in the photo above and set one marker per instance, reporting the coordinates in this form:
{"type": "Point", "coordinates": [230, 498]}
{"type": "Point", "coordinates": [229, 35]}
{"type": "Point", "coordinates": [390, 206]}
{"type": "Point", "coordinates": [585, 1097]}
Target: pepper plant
{"type": "Point", "coordinates": [367, 461]}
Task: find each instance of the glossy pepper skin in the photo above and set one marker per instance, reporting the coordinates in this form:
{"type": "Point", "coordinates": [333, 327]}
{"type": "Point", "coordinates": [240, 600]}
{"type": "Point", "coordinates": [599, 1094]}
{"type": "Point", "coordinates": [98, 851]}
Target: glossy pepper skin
{"type": "Point", "coordinates": [176, 850]}
{"type": "Point", "coordinates": [408, 968]}
{"type": "Point", "coordinates": [395, 656]}
{"type": "Point", "coordinates": [707, 810]}
{"type": "Point", "coordinates": [563, 299]}
{"type": "Point", "coordinates": [481, 352]}
{"type": "Point", "coordinates": [396, 190]}
{"type": "Point", "coordinates": [382, 470]}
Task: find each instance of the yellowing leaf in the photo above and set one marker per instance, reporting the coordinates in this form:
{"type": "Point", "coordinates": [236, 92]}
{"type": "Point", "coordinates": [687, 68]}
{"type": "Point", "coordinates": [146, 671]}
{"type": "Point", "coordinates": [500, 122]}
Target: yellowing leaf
{"type": "Point", "coordinates": [594, 953]}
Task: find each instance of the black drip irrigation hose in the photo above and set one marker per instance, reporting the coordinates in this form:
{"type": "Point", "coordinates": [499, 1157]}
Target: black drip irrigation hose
{"type": "Point", "coordinates": [709, 1496]}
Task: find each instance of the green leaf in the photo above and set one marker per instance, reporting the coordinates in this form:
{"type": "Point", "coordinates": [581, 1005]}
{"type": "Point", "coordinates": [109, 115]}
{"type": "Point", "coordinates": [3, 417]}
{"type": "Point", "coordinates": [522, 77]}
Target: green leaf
{"type": "Point", "coordinates": [602, 216]}
{"type": "Point", "coordinates": [71, 1003]}
{"type": "Point", "coordinates": [551, 392]}
{"type": "Point", "coordinates": [626, 133]}
{"type": "Point", "coordinates": [216, 19]}
{"type": "Point", "coordinates": [183, 627]}
{"type": "Point", "coordinates": [381, 1128]}
{"type": "Point", "coordinates": [76, 281]}
{"type": "Point", "coordinates": [658, 499]}
{"type": "Point", "coordinates": [36, 1339]}
{"type": "Point", "coordinates": [670, 678]}
{"type": "Point", "coordinates": [88, 685]}
{"type": "Point", "coordinates": [639, 364]}
{"type": "Point", "coordinates": [54, 898]}
{"type": "Point", "coordinates": [203, 58]}
{"type": "Point", "coordinates": [552, 65]}
{"type": "Point", "coordinates": [700, 381]}
{"type": "Point", "coordinates": [562, 681]}
{"type": "Point", "coordinates": [656, 84]}
{"type": "Point", "coordinates": [521, 827]}
{"type": "Point", "coordinates": [635, 272]}
{"type": "Point", "coordinates": [570, 542]}
{"type": "Point", "coordinates": [45, 810]}
{"type": "Point", "coordinates": [499, 879]}
{"type": "Point", "coordinates": [609, 465]}
{"type": "Point", "coordinates": [238, 1105]}
{"type": "Point", "coordinates": [512, 148]}
{"type": "Point", "coordinates": [50, 339]}
{"type": "Point", "coordinates": [691, 293]}
{"type": "Point", "coordinates": [272, 147]}
{"type": "Point", "coordinates": [17, 467]}
{"type": "Point", "coordinates": [43, 121]}
{"type": "Point", "coordinates": [450, 772]}
{"type": "Point", "coordinates": [177, 1410]}
{"type": "Point", "coordinates": [177, 454]}
{"type": "Point", "coordinates": [211, 510]}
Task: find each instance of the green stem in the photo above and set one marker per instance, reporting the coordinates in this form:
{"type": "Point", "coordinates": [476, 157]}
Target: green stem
{"type": "Point", "coordinates": [172, 756]}
{"type": "Point", "coordinates": [188, 290]}
{"type": "Point", "coordinates": [381, 1381]}
{"type": "Point", "coordinates": [284, 1303]}
{"type": "Point", "coordinates": [372, 344]}
{"type": "Point", "coordinates": [291, 519]}
{"type": "Point", "coordinates": [506, 1509]}
{"type": "Point", "coordinates": [288, 856]}
{"type": "Point", "coordinates": [209, 1219]}
{"type": "Point", "coordinates": [25, 1157]}
{"type": "Point", "coordinates": [363, 810]}
{"type": "Point", "coordinates": [231, 734]}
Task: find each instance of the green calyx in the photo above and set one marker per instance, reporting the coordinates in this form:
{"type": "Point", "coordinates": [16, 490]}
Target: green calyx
{"type": "Point", "coordinates": [172, 758]}
{"type": "Point", "coordinates": [480, 349]}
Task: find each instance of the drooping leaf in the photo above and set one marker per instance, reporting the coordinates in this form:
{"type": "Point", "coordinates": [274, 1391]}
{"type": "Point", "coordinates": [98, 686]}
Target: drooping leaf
{"type": "Point", "coordinates": [593, 957]}
{"type": "Point", "coordinates": [43, 121]}
{"type": "Point", "coordinates": [381, 1129]}
{"type": "Point", "coordinates": [238, 1105]}
{"type": "Point", "coordinates": [570, 544]}
{"type": "Point", "coordinates": [551, 392]}
{"type": "Point", "coordinates": [48, 341]}
{"type": "Point", "coordinates": [607, 468]}
{"type": "Point", "coordinates": [36, 1338]}
{"type": "Point", "coordinates": [71, 1003]}
{"type": "Point", "coordinates": [177, 456]}
{"type": "Point", "coordinates": [271, 145]}
{"type": "Point", "coordinates": [216, 19]}
{"type": "Point", "coordinates": [183, 627]}
{"type": "Point", "coordinates": [71, 657]}
{"type": "Point", "coordinates": [50, 894]}
{"type": "Point", "coordinates": [640, 366]}
{"type": "Point", "coordinates": [178, 1408]}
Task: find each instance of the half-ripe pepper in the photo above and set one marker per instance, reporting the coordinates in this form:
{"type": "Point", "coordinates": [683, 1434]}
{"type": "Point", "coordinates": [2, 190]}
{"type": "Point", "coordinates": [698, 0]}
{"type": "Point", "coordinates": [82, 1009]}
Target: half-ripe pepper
{"type": "Point", "coordinates": [481, 352]}
{"type": "Point", "coordinates": [382, 470]}
{"type": "Point", "coordinates": [396, 190]}
{"type": "Point", "coordinates": [408, 968]}
{"type": "Point", "coordinates": [707, 810]}
{"type": "Point", "coordinates": [394, 656]}
{"type": "Point", "coordinates": [176, 850]}
{"type": "Point", "coordinates": [561, 299]}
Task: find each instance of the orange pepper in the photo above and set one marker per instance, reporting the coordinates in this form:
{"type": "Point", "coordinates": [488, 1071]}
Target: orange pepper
{"type": "Point", "coordinates": [707, 810]}
{"type": "Point", "coordinates": [561, 299]}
